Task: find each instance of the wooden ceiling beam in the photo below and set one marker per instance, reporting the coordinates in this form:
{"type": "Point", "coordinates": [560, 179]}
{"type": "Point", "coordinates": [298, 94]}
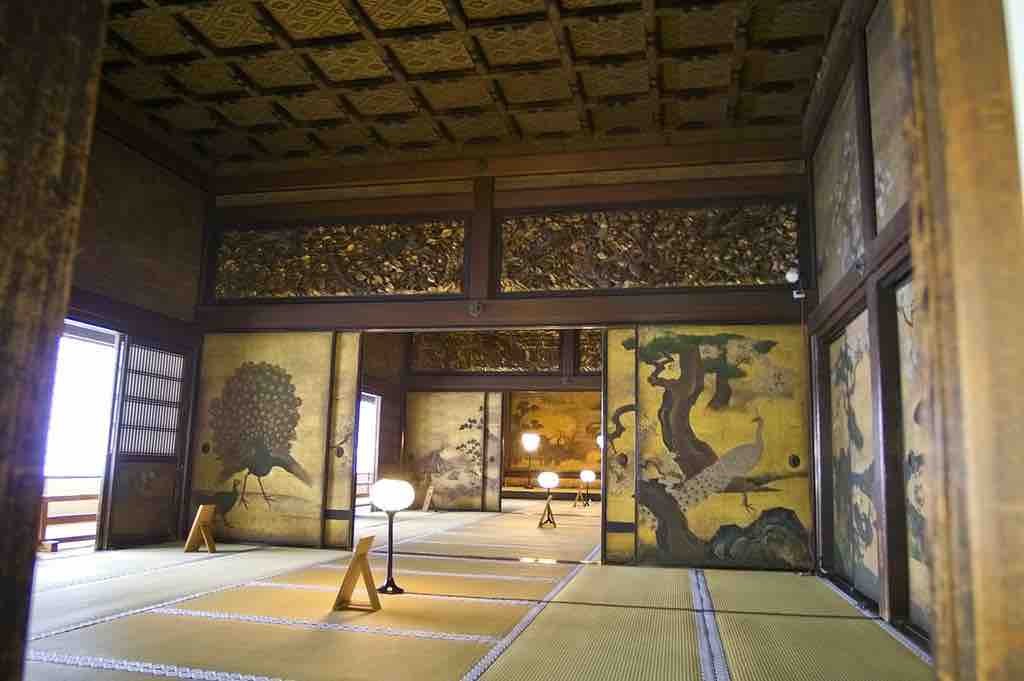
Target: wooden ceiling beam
{"type": "Point", "coordinates": [652, 45]}
{"type": "Point", "coordinates": [510, 166]}
{"type": "Point", "coordinates": [565, 54]}
{"type": "Point", "coordinates": [738, 59]}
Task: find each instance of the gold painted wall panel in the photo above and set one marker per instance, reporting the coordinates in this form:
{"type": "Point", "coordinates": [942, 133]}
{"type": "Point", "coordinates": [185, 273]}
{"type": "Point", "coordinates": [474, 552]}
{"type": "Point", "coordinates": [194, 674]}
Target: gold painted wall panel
{"type": "Point", "coordinates": [260, 434]}
{"type": "Point", "coordinates": [516, 351]}
{"type": "Point", "coordinates": [143, 504]}
{"type": "Point", "coordinates": [839, 215]}
{"type": "Point", "coordinates": [492, 452]}
{"type": "Point", "coordinates": [343, 440]}
{"type": "Point", "coordinates": [738, 245]}
{"type": "Point", "coordinates": [889, 83]}
{"type": "Point", "coordinates": [340, 260]}
{"type": "Point", "coordinates": [855, 518]}
{"type": "Point", "coordinates": [916, 449]}
{"type": "Point", "coordinates": [568, 424]}
{"type": "Point", "coordinates": [444, 446]}
{"type": "Point", "coordinates": [588, 352]}
{"type": "Point", "coordinates": [723, 472]}
{"type": "Point", "coordinates": [620, 445]}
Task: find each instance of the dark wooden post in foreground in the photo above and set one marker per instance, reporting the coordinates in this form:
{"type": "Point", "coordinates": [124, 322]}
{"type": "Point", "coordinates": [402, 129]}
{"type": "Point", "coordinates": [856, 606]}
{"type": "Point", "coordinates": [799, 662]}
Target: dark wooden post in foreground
{"type": "Point", "coordinates": [50, 54]}
{"type": "Point", "coordinates": [968, 254]}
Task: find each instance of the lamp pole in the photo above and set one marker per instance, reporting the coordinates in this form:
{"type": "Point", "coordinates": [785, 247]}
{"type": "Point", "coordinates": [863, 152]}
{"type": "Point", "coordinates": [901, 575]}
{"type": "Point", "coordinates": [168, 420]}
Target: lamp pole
{"type": "Point", "coordinates": [389, 586]}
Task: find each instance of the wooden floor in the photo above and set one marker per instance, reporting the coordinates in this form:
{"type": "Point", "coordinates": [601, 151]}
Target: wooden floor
{"type": "Point", "coordinates": [487, 596]}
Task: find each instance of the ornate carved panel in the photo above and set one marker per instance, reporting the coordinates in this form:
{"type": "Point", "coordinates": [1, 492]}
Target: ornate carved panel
{"type": "Point", "coordinates": [741, 245]}
{"type": "Point", "coordinates": [374, 259]}
{"type": "Point", "coordinates": [517, 351]}
{"type": "Point", "coordinates": [588, 355]}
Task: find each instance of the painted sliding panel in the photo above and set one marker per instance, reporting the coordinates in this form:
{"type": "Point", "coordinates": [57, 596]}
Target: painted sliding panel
{"type": "Point", "coordinates": [568, 424]}
{"type": "Point", "coordinates": [854, 471]}
{"type": "Point", "coordinates": [620, 445]}
{"type": "Point", "coordinates": [342, 260]}
{"type": "Point", "coordinates": [889, 84]}
{"type": "Point", "coordinates": [492, 451]}
{"type": "Point", "coordinates": [916, 445]}
{"type": "Point", "coordinates": [737, 244]}
{"type": "Point", "coordinates": [444, 447]}
{"type": "Point", "coordinates": [339, 502]}
{"type": "Point", "coordinates": [723, 470]}
{"type": "Point", "coordinates": [839, 215]}
{"type": "Point", "coordinates": [260, 433]}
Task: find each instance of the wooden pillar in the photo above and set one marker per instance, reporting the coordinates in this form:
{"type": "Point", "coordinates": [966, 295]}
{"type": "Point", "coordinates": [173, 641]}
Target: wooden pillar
{"type": "Point", "coordinates": [968, 252]}
{"type": "Point", "coordinates": [50, 53]}
{"type": "Point", "coordinates": [482, 275]}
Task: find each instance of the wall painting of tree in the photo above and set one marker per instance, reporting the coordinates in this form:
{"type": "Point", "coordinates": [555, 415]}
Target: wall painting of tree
{"type": "Point", "coordinates": [620, 446]}
{"type": "Point", "coordinates": [723, 470]}
{"type": "Point", "coordinates": [260, 433]}
{"type": "Point", "coordinates": [568, 423]}
{"type": "Point", "coordinates": [445, 447]}
{"type": "Point", "coordinates": [916, 445]}
{"type": "Point", "coordinates": [855, 519]}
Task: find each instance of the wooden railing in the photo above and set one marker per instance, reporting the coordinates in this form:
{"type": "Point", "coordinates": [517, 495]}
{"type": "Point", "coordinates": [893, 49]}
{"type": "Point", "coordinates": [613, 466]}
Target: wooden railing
{"type": "Point", "coordinates": [77, 489]}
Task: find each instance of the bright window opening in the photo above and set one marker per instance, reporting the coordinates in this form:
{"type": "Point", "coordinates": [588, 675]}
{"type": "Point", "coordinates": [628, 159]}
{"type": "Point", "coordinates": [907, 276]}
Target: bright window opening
{"type": "Point", "coordinates": [366, 447]}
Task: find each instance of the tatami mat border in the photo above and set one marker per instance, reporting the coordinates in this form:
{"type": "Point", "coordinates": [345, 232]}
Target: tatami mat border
{"type": "Point", "coordinates": [140, 667]}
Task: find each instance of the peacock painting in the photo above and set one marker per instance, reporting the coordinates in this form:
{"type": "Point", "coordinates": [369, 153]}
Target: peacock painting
{"type": "Point", "coordinates": [721, 429]}
{"type": "Point", "coordinates": [261, 434]}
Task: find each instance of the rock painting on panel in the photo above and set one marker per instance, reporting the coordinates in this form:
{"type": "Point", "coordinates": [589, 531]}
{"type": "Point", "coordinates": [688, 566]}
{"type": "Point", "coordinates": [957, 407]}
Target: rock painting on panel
{"type": "Point", "coordinates": [723, 472]}
{"type": "Point", "coordinates": [855, 518]}
{"type": "Point", "coordinates": [620, 445]}
{"type": "Point", "coordinates": [568, 424]}
{"type": "Point", "coordinates": [260, 434]}
{"type": "Point", "coordinates": [838, 211]}
{"type": "Point", "coordinates": [445, 443]}
{"type": "Point", "coordinates": [916, 439]}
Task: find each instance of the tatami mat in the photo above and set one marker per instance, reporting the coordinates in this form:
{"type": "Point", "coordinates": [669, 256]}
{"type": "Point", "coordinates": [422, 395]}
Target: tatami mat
{"type": "Point", "coordinates": [270, 649]}
{"type": "Point", "coordinates": [744, 591]}
{"type": "Point", "coordinates": [797, 648]}
{"type": "Point", "coordinates": [612, 585]}
{"type": "Point", "coordinates": [44, 671]}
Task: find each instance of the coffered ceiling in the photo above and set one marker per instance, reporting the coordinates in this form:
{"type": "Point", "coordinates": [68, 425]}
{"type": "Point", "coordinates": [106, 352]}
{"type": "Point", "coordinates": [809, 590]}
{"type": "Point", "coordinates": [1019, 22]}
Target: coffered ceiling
{"type": "Point", "coordinates": [238, 85]}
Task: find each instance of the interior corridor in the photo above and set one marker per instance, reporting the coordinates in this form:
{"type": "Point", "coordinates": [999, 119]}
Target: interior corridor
{"type": "Point", "coordinates": [488, 596]}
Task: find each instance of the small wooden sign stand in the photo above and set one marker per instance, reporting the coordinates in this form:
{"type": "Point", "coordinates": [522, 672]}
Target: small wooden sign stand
{"type": "Point", "coordinates": [202, 530]}
{"type": "Point", "coordinates": [360, 565]}
{"type": "Point", "coordinates": [428, 498]}
{"type": "Point", "coordinates": [547, 517]}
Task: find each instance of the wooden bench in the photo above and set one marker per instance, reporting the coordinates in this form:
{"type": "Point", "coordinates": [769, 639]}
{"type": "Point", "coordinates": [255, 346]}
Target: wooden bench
{"type": "Point", "coordinates": [45, 520]}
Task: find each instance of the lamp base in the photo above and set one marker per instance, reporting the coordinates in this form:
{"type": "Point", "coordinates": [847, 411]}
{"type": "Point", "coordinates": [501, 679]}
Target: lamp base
{"type": "Point", "coordinates": [391, 588]}
{"type": "Point", "coordinates": [547, 517]}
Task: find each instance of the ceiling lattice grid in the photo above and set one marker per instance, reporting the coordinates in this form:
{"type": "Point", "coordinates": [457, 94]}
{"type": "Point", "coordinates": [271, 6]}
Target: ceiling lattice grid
{"type": "Point", "coordinates": [237, 81]}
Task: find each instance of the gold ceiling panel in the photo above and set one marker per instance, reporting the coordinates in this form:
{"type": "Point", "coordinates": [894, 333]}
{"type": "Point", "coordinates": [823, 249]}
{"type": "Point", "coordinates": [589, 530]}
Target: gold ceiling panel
{"type": "Point", "coordinates": [395, 14]}
{"type": "Point", "coordinates": [312, 19]}
{"type": "Point", "coordinates": [381, 101]}
{"type": "Point", "coordinates": [468, 128]}
{"type": "Point", "coordinates": [207, 78]}
{"type": "Point", "coordinates": [703, 73]}
{"type": "Point", "coordinates": [494, 9]}
{"type": "Point", "coordinates": [434, 55]}
{"type": "Point", "coordinates": [614, 35]}
{"type": "Point", "coordinates": [549, 122]}
{"type": "Point", "coordinates": [616, 81]}
{"type": "Point", "coordinates": [493, 73]}
{"type": "Point", "coordinates": [153, 36]}
{"type": "Point", "coordinates": [539, 87]}
{"type": "Point", "coordinates": [275, 71]}
{"type": "Point", "coordinates": [355, 62]}
{"type": "Point", "coordinates": [700, 28]}
{"type": "Point", "coordinates": [442, 96]}
{"type": "Point", "coordinates": [527, 44]}
{"type": "Point", "coordinates": [313, 107]}
{"type": "Point", "coordinates": [229, 25]}
{"type": "Point", "coordinates": [141, 84]}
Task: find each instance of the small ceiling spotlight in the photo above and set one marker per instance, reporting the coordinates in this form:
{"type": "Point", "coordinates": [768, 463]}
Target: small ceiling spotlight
{"type": "Point", "coordinates": [793, 277]}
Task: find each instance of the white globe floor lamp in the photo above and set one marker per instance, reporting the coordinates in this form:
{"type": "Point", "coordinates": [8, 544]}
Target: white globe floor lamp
{"type": "Point", "coordinates": [587, 477]}
{"type": "Point", "coordinates": [391, 496]}
{"type": "Point", "coordinates": [548, 481]}
{"type": "Point", "coordinates": [530, 443]}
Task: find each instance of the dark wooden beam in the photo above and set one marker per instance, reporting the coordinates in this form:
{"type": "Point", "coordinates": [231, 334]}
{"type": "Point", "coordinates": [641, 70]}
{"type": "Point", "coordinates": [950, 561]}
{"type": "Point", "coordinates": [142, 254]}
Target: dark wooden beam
{"type": "Point", "coordinates": [968, 254]}
{"type": "Point", "coordinates": [94, 308]}
{"type": "Point", "coordinates": [482, 270]}
{"type": "Point", "coordinates": [506, 166]}
{"type": "Point", "coordinates": [503, 383]}
{"type": "Point", "coordinates": [768, 305]}
{"type": "Point", "coordinates": [307, 211]}
{"type": "Point", "coordinates": [570, 338]}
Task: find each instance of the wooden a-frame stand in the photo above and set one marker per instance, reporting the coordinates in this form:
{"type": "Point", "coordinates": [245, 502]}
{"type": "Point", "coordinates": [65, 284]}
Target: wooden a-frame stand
{"type": "Point", "coordinates": [547, 517]}
{"type": "Point", "coordinates": [360, 565]}
{"type": "Point", "coordinates": [202, 530]}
